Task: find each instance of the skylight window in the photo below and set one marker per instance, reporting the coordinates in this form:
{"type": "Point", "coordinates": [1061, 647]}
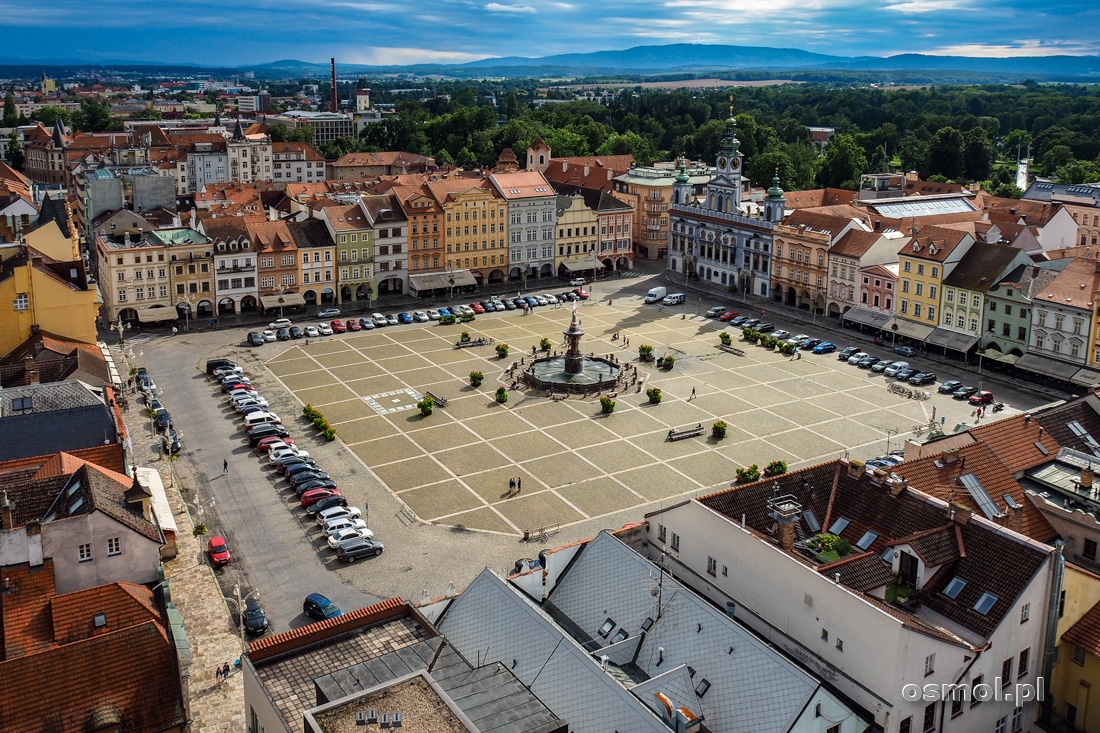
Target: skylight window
{"type": "Point", "coordinates": [955, 587]}
{"type": "Point", "coordinates": [811, 521]}
{"type": "Point", "coordinates": [980, 496]}
{"type": "Point", "coordinates": [985, 603]}
{"type": "Point", "coordinates": [606, 628]}
{"type": "Point", "coordinates": [839, 525]}
{"type": "Point", "coordinates": [620, 635]}
{"type": "Point", "coordinates": [866, 540]}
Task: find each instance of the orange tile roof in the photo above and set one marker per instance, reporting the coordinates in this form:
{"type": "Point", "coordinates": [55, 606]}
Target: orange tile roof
{"type": "Point", "coordinates": [268, 234]}
{"type": "Point", "coordinates": [522, 184]}
{"type": "Point", "coordinates": [854, 243]}
{"type": "Point", "coordinates": [942, 481]}
{"type": "Point", "coordinates": [25, 623]}
{"type": "Point", "coordinates": [123, 605]}
{"type": "Point", "coordinates": [944, 240]}
{"type": "Point", "coordinates": [1075, 286]}
{"type": "Point", "coordinates": [817, 221]}
{"type": "Point", "coordinates": [818, 197]}
{"type": "Point", "coordinates": [1086, 632]}
{"type": "Point", "coordinates": [1013, 441]}
{"type": "Point", "coordinates": [347, 218]}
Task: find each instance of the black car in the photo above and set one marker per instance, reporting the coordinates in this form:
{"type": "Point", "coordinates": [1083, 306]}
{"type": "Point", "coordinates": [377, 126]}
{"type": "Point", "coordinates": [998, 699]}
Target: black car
{"type": "Point", "coordinates": [964, 392]}
{"type": "Point", "coordinates": [255, 620]}
{"type": "Point", "coordinates": [293, 469]}
{"type": "Point", "coordinates": [318, 483]}
{"type": "Point", "coordinates": [255, 338]}
{"type": "Point", "coordinates": [508, 305]}
{"type": "Point", "coordinates": [845, 354]}
{"type": "Point", "coordinates": [905, 374]}
{"type": "Point", "coordinates": [804, 343]}
{"type": "Point", "coordinates": [365, 547]}
{"type": "Point", "coordinates": [305, 477]}
{"type": "Point", "coordinates": [171, 442]}
{"type": "Point", "coordinates": [283, 334]}
{"type": "Point", "coordinates": [764, 327]}
{"type": "Point", "coordinates": [326, 503]}
{"type": "Point", "coordinates": [919, 380]}
{"type": "Point", "coordinates": [266, 431]}
{"type": "Point", "coordinates": [950, 386]}
{"type": "Point", "coordinates": [867, 362]}
{"type": "Point", "coordinates": [213, 364]}
{"type": "Point", "coordinates": [163, 419]}
{"type": "Point", "coordinates": [296, 333]}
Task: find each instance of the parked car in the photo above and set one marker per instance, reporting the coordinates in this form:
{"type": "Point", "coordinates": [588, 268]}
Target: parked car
{"type": "Point", "coordinates": [433, 314]}
{"type": "Point", "coordinates": [881, 365]}
{"type": "Point", "coordinates": [825, 347]}
{"type": "Point", "coordinates": [338, 327]}
{"type": "Point", "coordinates": [728, 316]}
{"type": "Point", "coordinates": [905, 350]}
{"type": "Point", "coordinates": [404, 317]}
{"type": "Point", "coordinates": [847, 353]}
{"type": "Point", "coordinates": [266, 431]}
{"type": "Point", "coordinates": [905, 374]}
{"type": "Point", "coordinates": [950, 386]}
{"type": "Point", "coordinates": [347, 534]}
{"type": "Point", "coordinates": [336, 512]}
{"type": "Point", "coordinates": [738, 320]}
{"type": "Point", "coordinates": [283, 334]}
{"type": "Point", "coordinates": [327, 502]}
{"type": "Point", "coordinates": [265, 444]}
{"type": "Point", "coordinates": [922, 378]}
{"type": "Point", "coordinates": [765, 327]}
{"type": "Point", "coordinates": [214, 364]}
{"type": "Point", "coordinates": [583, 295]}
{"type": "Point", "coordinates": [218, 551]}
{"type": "Point", "coordinates": [716, 311]}
{"type": "Point", "coordinates": [857, 357]}
{"type": "Point", "coordinates": [867, 362]}
{"type": "Point", "coordinates": [279, 324]}
{"type": "Point", "coordinates": [268, 335]}
{"type": "Point", "coordinates": [324, 329]}
{"type": "Point", "coordinates": [343, 524]}
{"type": "Point", "coordinates": [320, 483]}
{"type": "Point", "coordinates": [896, 367]}
{"type": "Point", "coordinates": [352, 551]}
{"type": "Point", "coordinates": [311, 332]}
{"type": "Point", "coordinates": [316, 606]}
{"type": "Point", "coordinates": [352, 324]}
{"type": "Point", "coordinates": [296, 333]}
{"type": "Point", "coordinates": [391, 320]}
{"type": "Point", "coordinates": [421, 317]}
{"type": "Point", "coordinates": [255, 338]}
{"type": "Point", "coordinates": [444, 311]}
{"type": "Point", "coordinates": [964, 392]}
{"type": "Point", "coordinates": [477, 308]}
{"type": "Point", "coordinates": [328, 313]}
{"type": "Point", "coordinates": [984, 397]}
{"type": "Point", "coordinates": [379, 319]}
{"type": "Point", "coordinates": [781, 334]}
{"type": "Point", "coordinates": [163, 420]}
{"type": "Point", "coordinates": [171, 442]}
{"type": "Point", "coordinates": [315, 495]}
{"type": "Point", "coordinates": [255, 620]}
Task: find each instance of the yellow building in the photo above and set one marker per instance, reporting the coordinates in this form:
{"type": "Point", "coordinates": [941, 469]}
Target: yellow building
{"type": "Point", "coordinates": [475, 227]}
{"type": "Point", "coordinates": [578, 235]}
{"type": "Point", "coordinates": [44, 281]}
{"type": "Point", "coordinates": [924, 261]}
{"type": "Point", "coordinates": [1077, 664]}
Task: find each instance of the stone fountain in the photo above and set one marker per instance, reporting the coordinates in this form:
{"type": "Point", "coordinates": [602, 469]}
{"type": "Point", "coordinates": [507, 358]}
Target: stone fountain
{"type": "Point", "coordinates": [573, 372]}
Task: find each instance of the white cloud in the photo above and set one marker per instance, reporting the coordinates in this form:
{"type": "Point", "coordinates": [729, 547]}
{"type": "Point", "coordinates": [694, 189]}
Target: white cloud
{"type": "Point", "coordinates": [498, 8]}
{"type": "Point", "coordinates": [930, 6]}
{"type": "Point", "coordinates": [1015, 50]}
{"type": "Point", "coordinates": [402, 56]}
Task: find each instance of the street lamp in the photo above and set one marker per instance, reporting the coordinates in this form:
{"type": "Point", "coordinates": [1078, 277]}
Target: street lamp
{"type": "Point", "coordinates": [186, 301]}
{"type": "Point", "coordinates": [121, 328]}
{"type": "Point", "coordinates": [238, 602]}
{"type": "Point", "coordinates": [981, 351]}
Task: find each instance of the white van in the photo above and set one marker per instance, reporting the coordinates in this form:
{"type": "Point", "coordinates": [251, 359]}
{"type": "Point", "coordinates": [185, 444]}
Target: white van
{"type": "Point", "coordinates": [260, 418]}
{"type": "Point", "coordinates": [675, 299]}
{"type": "Point", "coordinates": [577, 282]}
{"type": "Point", "coordinates": [896, 367]}
{"type": "Point", "coordinates": [656, 294]}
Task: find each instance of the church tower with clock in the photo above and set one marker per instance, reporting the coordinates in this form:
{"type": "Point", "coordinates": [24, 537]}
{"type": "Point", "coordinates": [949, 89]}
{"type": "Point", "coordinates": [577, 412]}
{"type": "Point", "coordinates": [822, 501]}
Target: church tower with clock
{"type": "Point", "coordinates": [723, 192]}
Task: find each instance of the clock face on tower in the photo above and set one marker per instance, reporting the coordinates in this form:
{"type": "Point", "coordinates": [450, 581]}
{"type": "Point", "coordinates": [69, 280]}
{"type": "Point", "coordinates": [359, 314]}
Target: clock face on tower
{"type": "Point", "coordinates": [735, 163]}
{"type": "Point", "coordinates": [721, 162]}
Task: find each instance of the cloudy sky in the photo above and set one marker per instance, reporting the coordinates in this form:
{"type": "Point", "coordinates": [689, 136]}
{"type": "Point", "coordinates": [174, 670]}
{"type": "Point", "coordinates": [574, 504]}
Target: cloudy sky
{"type": "Point", "coordinates": [240, 32]}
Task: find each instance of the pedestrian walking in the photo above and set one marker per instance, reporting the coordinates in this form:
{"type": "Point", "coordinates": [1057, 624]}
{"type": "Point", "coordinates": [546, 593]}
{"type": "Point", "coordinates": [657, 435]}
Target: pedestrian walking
{"type": "Point", "coordinates": [533, 351]}
{"type": "Point", "coordinates": [692, 394]}
{"type": "Point", "coordinates": [511, 485]}
{"type": "Point", "coordinates": [225, 671]}
{"type": "Point", "coordinates": [519, 484]}
{"type": "Point", "coordinates": [218, 675]}
{"type": "Point", "coordinates": [174, 330]}
{"type": "Point", "coordinates": [763, 313]}
{"type": "Point", "coordinates": [225, 467]}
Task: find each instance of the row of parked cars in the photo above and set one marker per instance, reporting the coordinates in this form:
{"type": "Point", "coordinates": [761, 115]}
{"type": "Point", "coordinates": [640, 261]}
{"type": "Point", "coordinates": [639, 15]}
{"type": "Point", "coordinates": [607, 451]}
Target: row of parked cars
{"type": "Point", "coordinates": [170, 440]}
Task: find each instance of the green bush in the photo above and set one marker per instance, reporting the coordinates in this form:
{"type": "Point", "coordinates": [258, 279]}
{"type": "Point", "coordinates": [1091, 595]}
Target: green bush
{"type": "Point", "coordinates": [725, 338]}
{"type": "Point", "coordinates": [785, 348]}
{"type": "Point", "coordinates": [467, 317]}
{"type": "Point", "coordinates": [654, 395]}
{"type": "Point", "coordinates": [748, 475]}
{"type": "Point", "coordinates": [319, 423]}
{"type": "Point", "coordinates": [668, 362]}
{"type": "Point", "coordinates": [502, 351]}
{"type": "Point", "coordinates": [502, 395]}
{"type": "Point", "coordinates": [476, 378]}
{"type": "Point", "coordinates": [330, 433]}
{"type": "Point", "coordinates": [426, 406]}
{"type": "Point", "coordinates": [607, 405]}
{"type": "Point", "coordinates": [645, 352]}
{"type": "Point", "coordinates": [718, 429]}
{"type": "Point", "coordinates": [464, 337]}
{"type": "Point", "coordinates": [775, 468]}
{"type": "Point", "coordinates": [447, 320]}
{"type": "Point", "coordinates": [545, 344]}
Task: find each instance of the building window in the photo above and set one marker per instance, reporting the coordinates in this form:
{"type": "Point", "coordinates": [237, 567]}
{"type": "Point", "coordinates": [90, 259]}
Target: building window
{"type": "Point", "coordinates": [660, 533]}
{"type": "Point", "coordinates": [1002, 724]}
{"type": "Point", "coordinates": [929, 664]}
{"type": "Point", "coordinates": [1017, 720]}
{"type": "Point", "coordinates": [1089, 550]}
{"type": "Point", "coordinates": [1025, 658]}
{"type": "Point", "coordinates": [1006, 672]}
{"type": "Point", "coordinates": [974, 701]}
{"type": "Point", "coordinates": [712, 566]}
{"type": "Point", "coordinates": [1078, 655]}
{"type": "Point", "coordinates": [920, 269]}
{"type": "Point", "coordinates": [675, 541]}
{"type": "Point", "coordinates": [22, 302]}
{"type": "Point", "coordinates": [114, 546]}
{"type": "Point", "coordinates": [1025, 612]}
{"type": "Point", "coordinates": [906, 726]}
{"type": "Point", "coordinates": [84, 552]}
{"type": "Point", "coordinates": [840, 645]}
{"type": "Point", "coordinates": [930, 717]}
{"type": "Point", "coordinates": [824, 634]}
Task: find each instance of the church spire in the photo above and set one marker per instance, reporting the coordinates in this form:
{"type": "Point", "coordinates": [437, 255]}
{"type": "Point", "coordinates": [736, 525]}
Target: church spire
{"type": "Point", "coordinates": [730, 143]}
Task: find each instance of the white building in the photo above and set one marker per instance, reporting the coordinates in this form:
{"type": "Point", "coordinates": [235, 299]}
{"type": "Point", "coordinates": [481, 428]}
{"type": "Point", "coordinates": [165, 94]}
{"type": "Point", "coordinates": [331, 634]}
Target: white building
{"type": "Point", "coordinates": [532, 216]}
{"type": "Point", "coordinates": [927, 594]}
{"type": "Point", "coordinates": [391, 243]}
{"type": "Point", "coordinates": [234, 264]}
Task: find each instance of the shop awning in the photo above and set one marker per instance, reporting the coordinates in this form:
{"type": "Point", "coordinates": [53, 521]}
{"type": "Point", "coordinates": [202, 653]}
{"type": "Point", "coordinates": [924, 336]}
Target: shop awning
{"type": "Point", "coordinates": [866, 317]}
{"type": "Point", "coordinates": [909, 329]}
{"type": "Point", "coordinates": [1047, 367]}
{"type": "Point", "coordinates": [953, 340]}
{"type": "Point", "coordinates": [580, 264]}
{"type": "Point", "coordinates": [273, 301]}
{"type": "Point", "coordinates": [157, 313]}
{"type": "Point", "coordinates": [998, 356]}
{"type": "Point", "coordinates": [441, 280]}
{"type": "Point", "coordinates": [1086, 378]}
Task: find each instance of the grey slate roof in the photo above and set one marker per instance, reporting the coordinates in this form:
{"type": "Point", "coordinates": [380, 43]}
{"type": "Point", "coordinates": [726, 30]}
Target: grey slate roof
{"type": "Point", "coordinates": [493, 622]}
{"type": "Point", "coordinates": [490, 696]}
{"type": "Point", "coordinates": [64, 416]}
{"type": "Point", "coordinates": [753, 688]}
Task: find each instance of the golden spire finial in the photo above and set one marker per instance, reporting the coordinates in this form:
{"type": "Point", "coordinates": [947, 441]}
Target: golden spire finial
{"type": "Point", "coordinates": [731, 105]}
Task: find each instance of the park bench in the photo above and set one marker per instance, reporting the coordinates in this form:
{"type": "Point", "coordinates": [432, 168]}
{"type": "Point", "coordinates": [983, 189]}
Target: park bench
{"type": "Point", "coordinates": [731, 350]}
{"type": "Point", "coordinates": [686, 433]}
{"type": "Point", "coordinates": [441, 401]}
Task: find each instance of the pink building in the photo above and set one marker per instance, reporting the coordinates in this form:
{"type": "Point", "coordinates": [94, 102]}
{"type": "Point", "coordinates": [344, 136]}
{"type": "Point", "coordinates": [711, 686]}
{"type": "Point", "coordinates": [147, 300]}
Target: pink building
{"type": "Point", "coordinates": [878, 284]}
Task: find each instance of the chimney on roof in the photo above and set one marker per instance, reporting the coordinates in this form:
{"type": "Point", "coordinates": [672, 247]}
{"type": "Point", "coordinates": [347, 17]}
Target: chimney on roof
{"type": "Point", "coordinates": [786, 536]}
{"type": "Point", "coordinates": [28, 363]}
{"type": "Point", "coordinates": [33, 376]}
{"type": "Point", "coordinates": [1086, 478]}
{"type": "Point", "coordinates": [897, 484]}
{"type": "Point", "coordinates": [960, 513]}
{"type": "Point", "coordinates": [7, 507]}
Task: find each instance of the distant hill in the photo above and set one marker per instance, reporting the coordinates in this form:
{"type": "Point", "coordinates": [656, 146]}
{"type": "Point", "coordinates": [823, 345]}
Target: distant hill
{"type": "Point", "coordinates": [679, 58]}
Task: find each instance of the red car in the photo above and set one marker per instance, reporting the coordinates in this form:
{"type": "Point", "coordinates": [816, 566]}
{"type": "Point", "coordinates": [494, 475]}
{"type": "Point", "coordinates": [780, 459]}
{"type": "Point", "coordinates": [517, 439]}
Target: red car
{"type": "Point", "coordinates": [265, 444]}
{"type": "Point", "coordinates": [580, 293]}
{"type": "Point", "coordinates": [985, 397]}
{"type": "Point", "coordinates": [218, 550]}
{"type": "Point", "coordinates": [477, 308]}
{"type": "Point", "coordinates": [315, 495]}
{"type": "Point", "coordinates": [728, 316]}
{"type": "Point", "coordinates": [338, 327]}
{"type": "Point", "coordinates": [353, 325]}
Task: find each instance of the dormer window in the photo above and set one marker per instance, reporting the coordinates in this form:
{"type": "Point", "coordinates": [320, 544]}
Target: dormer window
{"type": "Point", "coordinates": [954, 587]}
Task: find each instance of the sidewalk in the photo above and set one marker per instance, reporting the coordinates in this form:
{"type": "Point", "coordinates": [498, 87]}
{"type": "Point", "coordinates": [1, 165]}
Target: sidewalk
{"type": "Point", "coordinates": [198, 597]}
{"type": "Point", "coordinates": [828, 328]}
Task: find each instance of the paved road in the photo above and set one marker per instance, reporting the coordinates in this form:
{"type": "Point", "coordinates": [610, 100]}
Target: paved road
{"type": "Point", "coordinates": [278, 549]}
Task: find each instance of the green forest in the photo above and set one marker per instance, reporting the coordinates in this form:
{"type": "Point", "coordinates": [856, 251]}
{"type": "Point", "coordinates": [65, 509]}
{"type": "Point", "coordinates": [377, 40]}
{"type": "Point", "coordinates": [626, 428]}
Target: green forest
{"type": "Point", "coordinates": [959, 133]}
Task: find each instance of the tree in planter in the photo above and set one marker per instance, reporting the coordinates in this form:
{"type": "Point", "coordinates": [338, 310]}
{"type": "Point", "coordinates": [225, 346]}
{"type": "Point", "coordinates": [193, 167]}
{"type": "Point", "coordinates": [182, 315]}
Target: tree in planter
{"type": "Point", "coordinates": [718, 429]}
{"type": "Point", "coordinates": [654, 395]}
{"type": "Point", "coordinates": [329, 433]}
{"type": "Point", "coordinates": [502, 395]}
{"type": "Point", "coordinates": [447, 320]}
{"type": "Point", "coordinates": [775, 468]}
{"type": "Point", "coordinates": [476, 378]}
{"type": "Point", "coordinates": [668, 362]}
{"type": "Point", "coordinates": [464, 337]}
{"type": "Point", "coordinates": [502, 351]}
{"type": "Point", "coordinates": [785, 348]}
{"type": "Point", "coordinates": [426, 405]}
{"type": "Point", "coordinates": [748, 475]}
{"type": "Point", "coordinates": [645, 352]}
{"type": "Point", "coordinates": [545, 344]}
{"type": "Point", "coordinates": [725, 338]}
{"type": "Point", "coordinates": [607, 405]}
{"type": "Point", "coordinates": [467, 317]}
{"type": "Point", "coordinates": [747, 334]}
